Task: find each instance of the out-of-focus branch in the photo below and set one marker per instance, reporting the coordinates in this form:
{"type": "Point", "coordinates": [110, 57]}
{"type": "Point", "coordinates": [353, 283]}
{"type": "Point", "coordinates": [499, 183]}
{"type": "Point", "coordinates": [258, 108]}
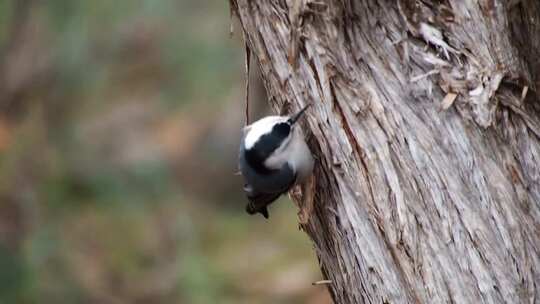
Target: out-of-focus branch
{"type": "Point", "coordinates": [19, 21]}
{"type": "Point", "coordinates": [12, 223]}
{"type": "Point", "coordinates": [21, 13]}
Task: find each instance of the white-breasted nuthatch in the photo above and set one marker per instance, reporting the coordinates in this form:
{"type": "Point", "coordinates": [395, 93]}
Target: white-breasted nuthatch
{"type": "Point", "coordinates": [273, 157]}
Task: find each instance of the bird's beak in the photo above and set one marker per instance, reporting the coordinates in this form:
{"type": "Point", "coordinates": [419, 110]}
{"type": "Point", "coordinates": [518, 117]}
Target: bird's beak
{"type": "Point", "coordinates": [297, 116]}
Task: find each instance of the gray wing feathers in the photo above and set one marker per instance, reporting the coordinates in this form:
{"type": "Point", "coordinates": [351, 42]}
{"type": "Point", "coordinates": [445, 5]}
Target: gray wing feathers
{"type": "Point", "coordinates": [274, 184]}
{"type": "Point", "coordinates": [262, 190]}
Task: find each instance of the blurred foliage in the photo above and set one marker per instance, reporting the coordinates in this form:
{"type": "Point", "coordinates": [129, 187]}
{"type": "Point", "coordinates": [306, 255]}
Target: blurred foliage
{"type": "Point", "coordinates": [119, 122]}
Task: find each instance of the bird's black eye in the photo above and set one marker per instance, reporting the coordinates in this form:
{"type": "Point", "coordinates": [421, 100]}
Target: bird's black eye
{"type": "Point", "coordinates": [282, 129]}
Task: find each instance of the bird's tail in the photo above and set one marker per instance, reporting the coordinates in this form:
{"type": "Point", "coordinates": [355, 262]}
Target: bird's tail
{"type": "Point", "coordinates": [258, 202]}
{"type": "Point", "coordinates": [252, 209]}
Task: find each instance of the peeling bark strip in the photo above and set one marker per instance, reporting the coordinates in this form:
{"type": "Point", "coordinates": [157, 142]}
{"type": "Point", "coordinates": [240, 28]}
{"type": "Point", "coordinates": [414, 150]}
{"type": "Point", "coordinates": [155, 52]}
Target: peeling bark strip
{"type": "Point", "coordinates": [428, 176]}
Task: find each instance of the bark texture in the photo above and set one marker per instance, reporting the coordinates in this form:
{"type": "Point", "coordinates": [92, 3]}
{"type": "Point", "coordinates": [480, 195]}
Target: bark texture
{"type": "Point", "coordinates": [426, 126]}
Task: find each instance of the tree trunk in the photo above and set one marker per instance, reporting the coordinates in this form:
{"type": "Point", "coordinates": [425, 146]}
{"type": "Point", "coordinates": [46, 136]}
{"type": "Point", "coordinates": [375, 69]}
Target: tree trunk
{"type": "Point", "coordinates": [426, 127]}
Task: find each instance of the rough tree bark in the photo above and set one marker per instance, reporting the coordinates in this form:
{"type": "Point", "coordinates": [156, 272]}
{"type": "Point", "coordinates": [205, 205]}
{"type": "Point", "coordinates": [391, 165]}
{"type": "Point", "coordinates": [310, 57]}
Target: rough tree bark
{"type": "Point", "coordinates": [426, 125]}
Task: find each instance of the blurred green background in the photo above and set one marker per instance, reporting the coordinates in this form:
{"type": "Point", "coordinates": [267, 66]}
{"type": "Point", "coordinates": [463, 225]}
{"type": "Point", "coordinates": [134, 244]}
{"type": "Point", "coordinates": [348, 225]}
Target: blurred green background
{"type": "Point", "coordinates": [119, 125]}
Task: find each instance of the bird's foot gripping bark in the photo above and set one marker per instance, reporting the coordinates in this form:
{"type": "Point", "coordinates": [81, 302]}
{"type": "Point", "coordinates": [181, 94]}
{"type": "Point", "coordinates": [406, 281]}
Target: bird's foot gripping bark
{"type": "Point", "coordinates": [304, 194]}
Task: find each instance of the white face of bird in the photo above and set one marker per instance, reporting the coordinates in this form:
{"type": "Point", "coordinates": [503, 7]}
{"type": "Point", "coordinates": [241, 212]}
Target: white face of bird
{"type": "Point", "coordinates": [259, 128]}
{"type": "Point", "coordinates": [265, 125]}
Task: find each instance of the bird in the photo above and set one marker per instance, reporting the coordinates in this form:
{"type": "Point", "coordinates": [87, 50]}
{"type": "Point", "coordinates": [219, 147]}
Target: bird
{"type": "Point", "coordinates": [274, 157]}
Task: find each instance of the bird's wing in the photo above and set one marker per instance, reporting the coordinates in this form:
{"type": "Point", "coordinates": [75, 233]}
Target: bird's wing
{"type": "Point", "coordinates": [259, 200]}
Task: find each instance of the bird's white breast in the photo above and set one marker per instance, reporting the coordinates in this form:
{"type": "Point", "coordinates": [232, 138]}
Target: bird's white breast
{"type": "Point", "coordinates": [296, 153]}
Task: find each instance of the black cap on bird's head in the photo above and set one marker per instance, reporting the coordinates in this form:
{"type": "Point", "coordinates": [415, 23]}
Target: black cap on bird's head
{"type": "Point", "coordinates": [292, 120]}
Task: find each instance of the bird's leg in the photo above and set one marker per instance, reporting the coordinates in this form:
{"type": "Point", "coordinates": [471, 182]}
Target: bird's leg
{"type": "Point", "coordinates": [295, 194]}
{"type": "Point", "coordinates": [308, 200]}
{"type": "Point", "coordinates": [304, 194]}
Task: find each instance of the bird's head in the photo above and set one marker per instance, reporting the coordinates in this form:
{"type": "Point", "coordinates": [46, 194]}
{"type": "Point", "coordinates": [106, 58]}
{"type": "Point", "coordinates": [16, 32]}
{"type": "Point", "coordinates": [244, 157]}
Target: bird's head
{"type": "Point", "coordinates": [267, 135]}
